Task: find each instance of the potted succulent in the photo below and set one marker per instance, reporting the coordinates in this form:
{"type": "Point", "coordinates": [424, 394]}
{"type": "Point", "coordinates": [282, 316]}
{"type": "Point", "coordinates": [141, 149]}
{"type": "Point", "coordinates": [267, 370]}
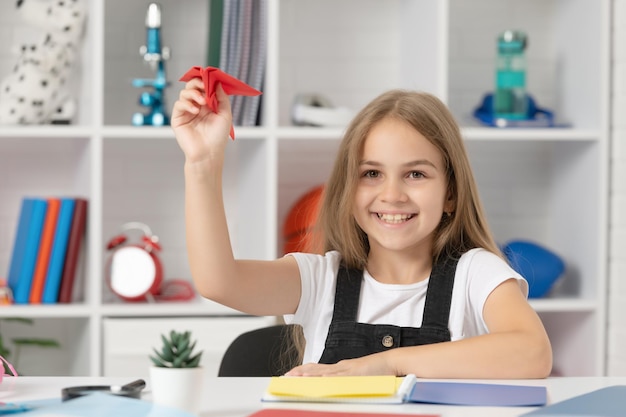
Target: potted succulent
{"type": "Point", "coordinates": [176, 375]}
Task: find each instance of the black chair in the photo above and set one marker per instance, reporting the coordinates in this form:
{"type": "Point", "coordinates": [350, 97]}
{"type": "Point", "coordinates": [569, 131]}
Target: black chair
{"type": "Point", "coordinates": [269, 351]}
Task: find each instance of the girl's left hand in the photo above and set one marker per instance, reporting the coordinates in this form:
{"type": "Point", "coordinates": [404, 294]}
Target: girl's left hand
{"type": "Point", "coordinates": [367, 365]}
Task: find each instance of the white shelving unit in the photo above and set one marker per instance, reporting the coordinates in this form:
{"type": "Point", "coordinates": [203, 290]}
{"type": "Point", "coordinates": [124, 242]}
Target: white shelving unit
{"type": "Point", "coordinates": [548, 185]}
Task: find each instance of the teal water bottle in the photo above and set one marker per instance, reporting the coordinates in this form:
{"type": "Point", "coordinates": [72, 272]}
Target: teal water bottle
{"type": "Point", "coordinates": [510, 100]}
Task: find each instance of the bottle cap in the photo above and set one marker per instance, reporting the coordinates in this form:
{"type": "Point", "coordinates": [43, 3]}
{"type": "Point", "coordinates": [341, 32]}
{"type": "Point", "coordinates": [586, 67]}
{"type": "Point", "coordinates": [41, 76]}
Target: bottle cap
{"type": "Point", "coordinates": [512, 40]}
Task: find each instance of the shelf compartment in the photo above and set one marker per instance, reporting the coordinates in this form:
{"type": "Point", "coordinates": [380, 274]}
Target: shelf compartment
{"type": "Point", "coordinates": [71, 359]}
{"type": "Point", "coordinates": [16, 32]}
{"type": "Point", "coordinates": [125, 33]}
{"type": "Point", "coordinates": [143, 182]}
{"type": "Point", "coordinates": [150, 189]}
{"type": "Point", "coordinates": [39, 167]}
{"type": "Point", "coordinates": [563, 38]}
{"type": "Point", "coordinates": [360, 50]}
{"type": "Point", "coordinates": [213, 336]}
{"type": "Point", "coordinates": [530, 190]}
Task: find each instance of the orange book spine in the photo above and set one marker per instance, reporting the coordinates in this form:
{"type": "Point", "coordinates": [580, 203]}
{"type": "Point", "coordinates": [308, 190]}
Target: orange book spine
{"type": "Point", "coordinates": [43, 257]}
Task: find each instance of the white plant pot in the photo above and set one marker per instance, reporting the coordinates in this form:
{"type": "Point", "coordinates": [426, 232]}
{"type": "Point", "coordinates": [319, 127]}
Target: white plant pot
{"type": "Point", "coordinates": [177, 387]}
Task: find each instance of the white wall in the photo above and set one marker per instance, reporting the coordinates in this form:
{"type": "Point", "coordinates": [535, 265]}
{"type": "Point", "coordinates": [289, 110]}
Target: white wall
{"type": "Point", "coordinates": [616, 355]}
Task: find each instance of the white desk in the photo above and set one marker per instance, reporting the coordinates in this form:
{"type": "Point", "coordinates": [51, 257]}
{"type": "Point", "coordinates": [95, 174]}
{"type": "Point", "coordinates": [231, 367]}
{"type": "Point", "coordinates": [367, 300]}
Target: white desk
{"type": "Point", "coordinates": [240, 397]}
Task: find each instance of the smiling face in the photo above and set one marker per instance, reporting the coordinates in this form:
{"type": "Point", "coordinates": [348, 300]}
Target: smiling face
{"type": "Point", "coordinates": [402, 191]}
{"type": "Point", "coordinates": [429, 174]}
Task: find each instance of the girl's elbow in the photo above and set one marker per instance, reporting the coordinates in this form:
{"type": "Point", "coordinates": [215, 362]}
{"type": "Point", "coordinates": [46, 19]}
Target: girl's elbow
{"type": "Point", "coordinates": [205, 293]}
{"type": "Point", "coordinates": [209, 292]}
{"type": "Point", "coordinates": [205, 288]}
{"type": "Point", "coordinates": [541, 368]}
{"type": "Point", "coordinates": [540, 360]}
{"type": "Point", "coordinates": [545, 363]}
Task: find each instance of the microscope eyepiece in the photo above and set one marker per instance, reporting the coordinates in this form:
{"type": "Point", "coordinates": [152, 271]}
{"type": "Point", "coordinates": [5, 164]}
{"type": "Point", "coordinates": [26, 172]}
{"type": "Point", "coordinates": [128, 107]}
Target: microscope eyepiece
{"type": "Point", "coordinates": [153, 16]}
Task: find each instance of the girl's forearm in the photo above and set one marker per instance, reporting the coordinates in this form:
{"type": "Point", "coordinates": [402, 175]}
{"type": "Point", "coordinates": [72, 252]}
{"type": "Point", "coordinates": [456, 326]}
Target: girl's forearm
{"type": "Point", "coordinates": [501, 355]}
{"type": "Point", "coordinates": [208, 241]}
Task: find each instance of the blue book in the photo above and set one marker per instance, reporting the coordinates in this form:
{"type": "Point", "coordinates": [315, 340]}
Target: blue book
{"type": "Point", "coordinates": [26, 247]}
{"type": "Point", "coordinates": [479, 394]}
{"type": "Point", "coordinates": [59, 248]}
{"type": "Point", "coordinates": [604, 402]}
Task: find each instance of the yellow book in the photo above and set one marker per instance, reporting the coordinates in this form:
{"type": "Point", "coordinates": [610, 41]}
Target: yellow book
{"type": "Point", "coordinates": [364, 389]}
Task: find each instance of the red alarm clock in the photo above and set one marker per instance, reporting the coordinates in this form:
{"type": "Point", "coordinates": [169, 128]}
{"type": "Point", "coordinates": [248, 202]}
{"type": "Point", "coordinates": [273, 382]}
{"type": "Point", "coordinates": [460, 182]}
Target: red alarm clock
{"type": "Point", "coordinates": [134, 271]}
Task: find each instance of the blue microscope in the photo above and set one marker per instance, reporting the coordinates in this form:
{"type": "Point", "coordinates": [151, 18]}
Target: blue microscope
{"type": "Point", "coordinates": [155, 55]}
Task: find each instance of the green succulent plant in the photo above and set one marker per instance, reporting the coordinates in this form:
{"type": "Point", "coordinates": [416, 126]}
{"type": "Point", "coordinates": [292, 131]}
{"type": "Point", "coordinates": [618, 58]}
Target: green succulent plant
{"type": "Point", "coordinates": [177, 351]}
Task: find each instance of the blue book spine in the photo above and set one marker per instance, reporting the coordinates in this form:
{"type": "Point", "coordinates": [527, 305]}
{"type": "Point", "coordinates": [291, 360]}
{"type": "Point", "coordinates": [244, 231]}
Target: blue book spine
{"type": "Point", "coordinates": [26, 248]}
{"type": "Point", "coordinates": [57, 254]}
{"type": "Point", "coordinates": [19, 244]}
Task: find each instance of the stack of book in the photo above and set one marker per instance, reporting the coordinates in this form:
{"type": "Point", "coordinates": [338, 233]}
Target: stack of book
{"type": "Point", "coordinates": [238, 46]}
{"type": "Point", "coordinates": [46, 252]}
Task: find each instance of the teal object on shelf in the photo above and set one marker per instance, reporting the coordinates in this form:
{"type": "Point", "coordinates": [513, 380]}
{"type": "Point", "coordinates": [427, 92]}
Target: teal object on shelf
{"type": "Point", "coordinates": [537, 264]}
{"type": "Point", "coordinates": [510, 100]}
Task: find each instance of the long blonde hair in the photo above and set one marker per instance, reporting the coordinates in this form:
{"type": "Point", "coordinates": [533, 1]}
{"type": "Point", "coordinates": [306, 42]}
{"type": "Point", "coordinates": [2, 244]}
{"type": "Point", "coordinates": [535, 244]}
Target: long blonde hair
{"type": "Point", "coordinates": [464, 229]}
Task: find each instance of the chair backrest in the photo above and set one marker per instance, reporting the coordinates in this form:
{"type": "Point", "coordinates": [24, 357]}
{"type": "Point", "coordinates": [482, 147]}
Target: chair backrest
{"type": "Point", "coordinates": [268, 351]}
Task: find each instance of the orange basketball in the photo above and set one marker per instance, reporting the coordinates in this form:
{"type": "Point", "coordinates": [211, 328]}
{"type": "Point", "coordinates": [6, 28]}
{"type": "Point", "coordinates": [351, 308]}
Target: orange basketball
{"type": "Point", "coordinates": [298, 229]}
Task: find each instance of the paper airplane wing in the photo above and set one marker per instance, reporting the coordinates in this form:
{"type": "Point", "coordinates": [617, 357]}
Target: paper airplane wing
{"type": "Point", "coordinates": [210, 77]}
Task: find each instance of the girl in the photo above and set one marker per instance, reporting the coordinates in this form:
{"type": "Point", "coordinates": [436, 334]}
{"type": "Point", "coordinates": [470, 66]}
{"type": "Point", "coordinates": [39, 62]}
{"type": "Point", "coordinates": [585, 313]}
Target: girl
{"type": "Point", "coordinates": [411, 280]}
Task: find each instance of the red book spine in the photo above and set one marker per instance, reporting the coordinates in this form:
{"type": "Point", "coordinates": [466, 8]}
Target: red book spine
{"type": "Point", "coordinates": [74, 244]}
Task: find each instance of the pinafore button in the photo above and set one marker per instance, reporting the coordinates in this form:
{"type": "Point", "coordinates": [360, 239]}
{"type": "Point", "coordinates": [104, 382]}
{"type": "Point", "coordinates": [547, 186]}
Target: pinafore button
{"type": "Point", "coordinates": [387, 341]}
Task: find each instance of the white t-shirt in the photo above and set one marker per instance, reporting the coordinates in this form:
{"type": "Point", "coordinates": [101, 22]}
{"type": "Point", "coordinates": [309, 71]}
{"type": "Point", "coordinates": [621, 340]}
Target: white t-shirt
{"type": "Point", "coordinates": [478, 273]}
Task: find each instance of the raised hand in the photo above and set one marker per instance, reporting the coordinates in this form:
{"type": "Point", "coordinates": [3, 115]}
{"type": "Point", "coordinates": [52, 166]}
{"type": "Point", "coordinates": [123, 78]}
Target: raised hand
{"type": "Point", "coordinates": [201, 133]}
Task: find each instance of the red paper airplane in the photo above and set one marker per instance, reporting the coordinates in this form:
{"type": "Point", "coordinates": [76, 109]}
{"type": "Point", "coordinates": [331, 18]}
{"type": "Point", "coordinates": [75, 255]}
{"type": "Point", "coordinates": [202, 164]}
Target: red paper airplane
{"type": "Point", "coordinates": [231, 85]}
